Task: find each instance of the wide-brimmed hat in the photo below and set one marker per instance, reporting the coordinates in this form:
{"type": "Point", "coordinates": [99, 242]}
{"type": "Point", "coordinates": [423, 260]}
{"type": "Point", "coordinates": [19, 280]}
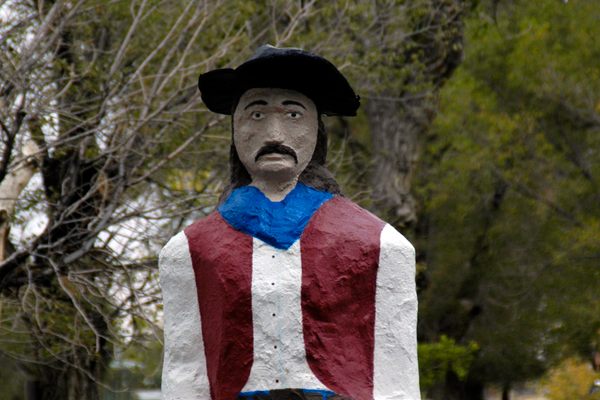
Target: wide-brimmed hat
{"type": "Point", "coordinates": [285, 68]}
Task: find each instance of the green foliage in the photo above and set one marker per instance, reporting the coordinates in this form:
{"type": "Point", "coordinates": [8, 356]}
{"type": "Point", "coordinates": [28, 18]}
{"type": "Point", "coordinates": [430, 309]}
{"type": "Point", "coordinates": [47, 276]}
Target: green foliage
{"type": "Point", "coordinates": [437, 359]}
{"type": "Point", "coordinates": [509, 186]}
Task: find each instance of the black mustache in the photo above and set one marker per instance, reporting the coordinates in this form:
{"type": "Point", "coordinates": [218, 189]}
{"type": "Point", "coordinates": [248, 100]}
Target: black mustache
{"type": "Point", "coordinates": [277, 148]}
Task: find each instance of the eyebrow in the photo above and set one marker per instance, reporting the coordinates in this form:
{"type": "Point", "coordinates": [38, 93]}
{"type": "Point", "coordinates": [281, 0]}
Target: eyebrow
{"type": "Point", "coordinates": [290, 102]}
{"type": "Point", "coordinates": [256, 102]}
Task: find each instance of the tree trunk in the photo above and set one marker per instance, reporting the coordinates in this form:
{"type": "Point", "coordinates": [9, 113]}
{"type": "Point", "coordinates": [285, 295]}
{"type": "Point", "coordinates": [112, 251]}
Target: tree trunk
{"type": "Point", "coordinates": [32, 390]}
{"type": "Point", "coordinates": [10, 188]}
{"type": "Point", "coordinates": [455, 389]}
{"type": "Point", "coordinates": [72, 385]}
{"type": "Point", "coordinates": [395, 153]}
{"type": "Point", "coordinates": [75, 380]}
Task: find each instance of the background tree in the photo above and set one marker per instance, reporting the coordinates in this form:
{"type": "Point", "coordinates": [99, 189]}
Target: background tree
{"type": "Point", "coordinates": [106, 91]}
{"type": "Point", "coordinates": [509, 185]}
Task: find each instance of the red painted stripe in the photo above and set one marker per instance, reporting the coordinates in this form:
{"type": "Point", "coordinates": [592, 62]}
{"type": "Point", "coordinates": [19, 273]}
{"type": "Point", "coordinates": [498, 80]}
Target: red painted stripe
{"type": "Point", "coordinates": [222, 261]}
{"type": "Point", "coordinates": [340, 254]}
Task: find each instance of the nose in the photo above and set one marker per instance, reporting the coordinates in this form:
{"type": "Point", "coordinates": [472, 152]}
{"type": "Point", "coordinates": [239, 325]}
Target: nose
{"type": "Point", "coordinates": [275, 130]}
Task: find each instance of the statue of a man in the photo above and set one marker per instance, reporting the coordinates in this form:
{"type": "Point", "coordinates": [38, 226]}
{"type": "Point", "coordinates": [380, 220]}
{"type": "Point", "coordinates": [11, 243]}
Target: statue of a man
{"type": "Point", "coordinates": [287, 290]}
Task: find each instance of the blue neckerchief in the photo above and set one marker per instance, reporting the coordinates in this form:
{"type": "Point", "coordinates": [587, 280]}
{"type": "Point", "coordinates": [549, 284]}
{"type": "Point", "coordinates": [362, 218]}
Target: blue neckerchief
{"type": "Point", "coordinates": [279, 224]}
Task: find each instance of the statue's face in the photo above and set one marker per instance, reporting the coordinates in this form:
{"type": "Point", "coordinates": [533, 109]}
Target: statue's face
{"type": "Point", "coordinates": [275, 132]}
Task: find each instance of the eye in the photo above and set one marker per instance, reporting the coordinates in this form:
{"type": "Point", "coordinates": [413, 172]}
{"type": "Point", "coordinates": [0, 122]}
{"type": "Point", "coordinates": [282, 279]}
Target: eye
{"type": "Point", "coordinates": [294, 114]}
{"type": "Point", "coordinates": [257, 115]}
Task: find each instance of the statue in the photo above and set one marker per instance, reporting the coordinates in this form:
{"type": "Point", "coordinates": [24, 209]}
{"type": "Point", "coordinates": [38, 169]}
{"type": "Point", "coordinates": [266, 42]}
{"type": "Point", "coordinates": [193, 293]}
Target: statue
{"type": "Point", "coordinates": [287, 290]}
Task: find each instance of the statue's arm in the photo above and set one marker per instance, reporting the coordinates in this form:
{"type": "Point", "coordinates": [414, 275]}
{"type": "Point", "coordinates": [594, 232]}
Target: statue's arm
{"type": "Point", "coordinates": [184, 367]}
{"type": "Point", "coordinates": [396, 371]}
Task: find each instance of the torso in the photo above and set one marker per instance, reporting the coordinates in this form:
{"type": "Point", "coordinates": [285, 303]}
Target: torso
{"type": "Point", "coordinates": [321, 290]}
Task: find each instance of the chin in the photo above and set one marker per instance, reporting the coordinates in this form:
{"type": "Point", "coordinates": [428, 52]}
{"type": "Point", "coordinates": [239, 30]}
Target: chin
{"type": "Point", "coordinates": [277, 171]}
{"type": "Point", "coordinates": [276, 166]}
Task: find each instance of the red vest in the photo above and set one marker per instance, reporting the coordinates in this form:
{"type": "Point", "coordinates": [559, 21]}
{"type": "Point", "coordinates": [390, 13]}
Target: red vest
{"type": "Point", "coordinates": [340, 253]}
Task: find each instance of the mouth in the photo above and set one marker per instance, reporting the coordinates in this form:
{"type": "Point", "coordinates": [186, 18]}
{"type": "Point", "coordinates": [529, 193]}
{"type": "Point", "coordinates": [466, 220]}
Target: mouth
{"type": "Point", "coordinates": [275, 149]}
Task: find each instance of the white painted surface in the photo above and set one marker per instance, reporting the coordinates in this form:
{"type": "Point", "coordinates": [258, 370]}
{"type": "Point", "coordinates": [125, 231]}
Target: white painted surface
{"type": "Point", "coordinates": [396, 375]}
{"type": "Point", "coordinates": [279, 353]}
{"type": "Point", "coordinates": [184, 367]}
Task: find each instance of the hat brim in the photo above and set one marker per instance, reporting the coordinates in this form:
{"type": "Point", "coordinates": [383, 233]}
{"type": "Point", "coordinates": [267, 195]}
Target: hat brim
{"type": "Point", "coordinates": [309, 74]}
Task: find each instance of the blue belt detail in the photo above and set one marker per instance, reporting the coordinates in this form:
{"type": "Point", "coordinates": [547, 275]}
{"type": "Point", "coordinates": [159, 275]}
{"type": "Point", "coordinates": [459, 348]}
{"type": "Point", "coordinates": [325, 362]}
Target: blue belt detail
{"type": "Point", "coordinates": [254, 393]}
{"type": "Point", "coordinates": [325, 394]}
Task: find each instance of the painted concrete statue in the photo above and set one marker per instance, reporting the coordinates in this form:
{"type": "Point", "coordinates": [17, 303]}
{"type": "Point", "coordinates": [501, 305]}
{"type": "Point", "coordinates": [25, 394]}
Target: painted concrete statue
{"type": "Point", "coordinates": [288, 290]}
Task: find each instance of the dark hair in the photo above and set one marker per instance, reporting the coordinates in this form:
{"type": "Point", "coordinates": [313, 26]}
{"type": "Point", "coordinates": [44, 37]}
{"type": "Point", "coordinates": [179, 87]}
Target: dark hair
{"type": "Point", "coordinates": [315, 174]}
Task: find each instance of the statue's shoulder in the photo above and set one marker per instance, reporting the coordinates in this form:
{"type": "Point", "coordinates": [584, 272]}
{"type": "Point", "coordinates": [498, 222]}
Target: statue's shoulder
{"type": "Point", "coordinates": [210, 226]}
{"type": "Point", "coordinates": [174, 256]}
{"type": "Point", "coordinates": [344, 218]}
{"type": "Point", "coordinates": [349, 215]}
{"type": "Point", "coordinates": [344, 222]}
{"type": "Point", "coordinates": [202, 229]}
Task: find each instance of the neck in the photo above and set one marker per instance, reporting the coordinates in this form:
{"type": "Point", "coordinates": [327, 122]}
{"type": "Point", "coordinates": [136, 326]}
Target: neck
{"type": "Point", "coordinates": [274, 190]}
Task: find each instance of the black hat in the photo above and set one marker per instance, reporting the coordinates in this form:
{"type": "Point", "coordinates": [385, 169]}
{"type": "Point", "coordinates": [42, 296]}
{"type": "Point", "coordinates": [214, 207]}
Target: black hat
{"type": "Point", "coordinates": [284, 68]}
